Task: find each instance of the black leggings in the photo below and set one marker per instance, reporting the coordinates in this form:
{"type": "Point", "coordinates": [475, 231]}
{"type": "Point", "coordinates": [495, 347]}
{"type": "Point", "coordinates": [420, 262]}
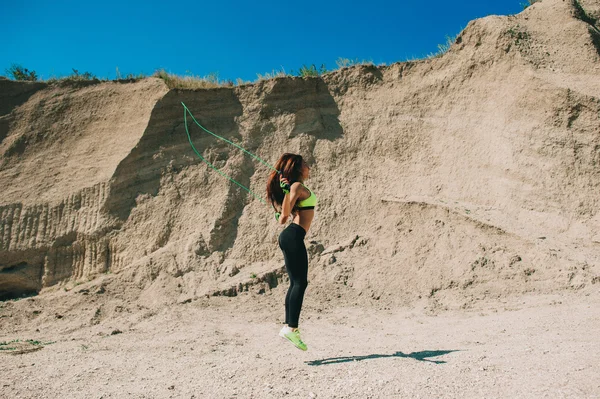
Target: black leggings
{"type": "Point", "coordinates": [291, 242]}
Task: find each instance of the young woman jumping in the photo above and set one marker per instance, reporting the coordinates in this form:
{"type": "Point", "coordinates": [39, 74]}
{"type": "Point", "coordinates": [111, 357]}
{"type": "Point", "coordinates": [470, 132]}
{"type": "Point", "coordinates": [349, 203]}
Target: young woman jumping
{"type": "Point", "coordinates": [289, 196]}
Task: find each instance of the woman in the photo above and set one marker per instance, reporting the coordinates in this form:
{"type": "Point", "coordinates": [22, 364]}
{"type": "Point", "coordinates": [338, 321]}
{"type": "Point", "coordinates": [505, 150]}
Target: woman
{"type": "Point", "coordinates": [290, 197]}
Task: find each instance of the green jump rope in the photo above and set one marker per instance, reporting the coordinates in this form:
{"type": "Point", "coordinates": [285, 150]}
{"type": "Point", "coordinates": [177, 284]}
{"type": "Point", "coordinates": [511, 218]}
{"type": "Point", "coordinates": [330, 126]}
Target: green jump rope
{"type": "Point", "coordinates": [185, 112]}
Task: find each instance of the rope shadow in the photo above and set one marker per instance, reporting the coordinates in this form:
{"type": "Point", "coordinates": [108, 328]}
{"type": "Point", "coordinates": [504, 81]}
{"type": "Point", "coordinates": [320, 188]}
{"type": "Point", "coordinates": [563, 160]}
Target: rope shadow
{"type": "Point", "coordinates": [420, 356]}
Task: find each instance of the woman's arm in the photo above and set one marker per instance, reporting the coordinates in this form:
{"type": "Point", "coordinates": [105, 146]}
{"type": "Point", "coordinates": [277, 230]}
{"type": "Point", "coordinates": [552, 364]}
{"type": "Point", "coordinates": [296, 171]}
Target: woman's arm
{"type": "Point", "coordinates": [289, 201]}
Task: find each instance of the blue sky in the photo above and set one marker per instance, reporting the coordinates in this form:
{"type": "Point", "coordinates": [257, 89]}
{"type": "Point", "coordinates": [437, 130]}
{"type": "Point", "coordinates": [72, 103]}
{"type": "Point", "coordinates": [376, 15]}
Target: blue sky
{"type": "Point", "coordinates": [235, 39]}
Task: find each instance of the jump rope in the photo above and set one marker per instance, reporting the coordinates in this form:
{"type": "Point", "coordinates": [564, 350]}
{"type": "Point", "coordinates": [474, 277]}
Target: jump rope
{"type": "Point", "coordinates": [185, 112]}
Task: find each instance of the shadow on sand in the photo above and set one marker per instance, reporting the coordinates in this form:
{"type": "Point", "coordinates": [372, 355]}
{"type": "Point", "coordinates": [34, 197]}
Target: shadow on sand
{"type": "Point", "coordinates": [421, 356]}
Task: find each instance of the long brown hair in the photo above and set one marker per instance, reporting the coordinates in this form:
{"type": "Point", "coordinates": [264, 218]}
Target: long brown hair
{"type": "Point", "coordinates": [290, 167]}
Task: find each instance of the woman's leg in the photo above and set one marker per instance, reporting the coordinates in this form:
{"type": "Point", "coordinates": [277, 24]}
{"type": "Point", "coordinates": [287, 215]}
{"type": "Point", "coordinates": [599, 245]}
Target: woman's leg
{"type": "Point", "coordinates": [296, 299]}
{"type": "Point", "coordinates": [297, 269]}
{"type": "Point", "coordinates": [287, 302]}
{"type": "Point", "coordinates": [285, 239]}
{"type": "Point", "coordinates": [291, 242]}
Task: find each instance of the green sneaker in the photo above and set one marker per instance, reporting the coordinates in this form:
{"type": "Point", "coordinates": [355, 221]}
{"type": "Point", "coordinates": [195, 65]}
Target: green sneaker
{"type": "Point", "coordinates": [293, 337]}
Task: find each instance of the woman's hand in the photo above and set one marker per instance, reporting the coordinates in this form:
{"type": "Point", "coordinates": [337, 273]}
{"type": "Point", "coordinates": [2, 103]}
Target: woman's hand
{"type": "Point", "coordinates": [284, 184]}
{"type": "Point", "coordinates": [280, 219]}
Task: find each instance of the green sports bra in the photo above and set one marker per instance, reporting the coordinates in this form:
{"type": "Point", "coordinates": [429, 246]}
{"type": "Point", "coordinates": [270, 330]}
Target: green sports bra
{"type": "Point", "coordinates": [308, 203]}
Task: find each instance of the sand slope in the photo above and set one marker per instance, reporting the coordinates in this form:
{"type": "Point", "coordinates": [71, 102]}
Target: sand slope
{"type": "Point", "coordinates": [476, 172]}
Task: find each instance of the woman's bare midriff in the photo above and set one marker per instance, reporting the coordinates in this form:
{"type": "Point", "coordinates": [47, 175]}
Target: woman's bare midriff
{"type": "Point", "coordinates": [304, 218]}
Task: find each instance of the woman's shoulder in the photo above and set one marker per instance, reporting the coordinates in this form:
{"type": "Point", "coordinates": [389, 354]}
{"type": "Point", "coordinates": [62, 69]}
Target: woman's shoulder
{"type": "Point", "coordinates": [297, 185]}
{"type": "Point", "coordinates": [301, 188]}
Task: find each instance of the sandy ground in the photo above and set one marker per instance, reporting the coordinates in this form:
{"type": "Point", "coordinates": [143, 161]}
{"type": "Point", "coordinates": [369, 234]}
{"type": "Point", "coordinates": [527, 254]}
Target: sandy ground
{"type": "Point", "coordinates": [526, 347]}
